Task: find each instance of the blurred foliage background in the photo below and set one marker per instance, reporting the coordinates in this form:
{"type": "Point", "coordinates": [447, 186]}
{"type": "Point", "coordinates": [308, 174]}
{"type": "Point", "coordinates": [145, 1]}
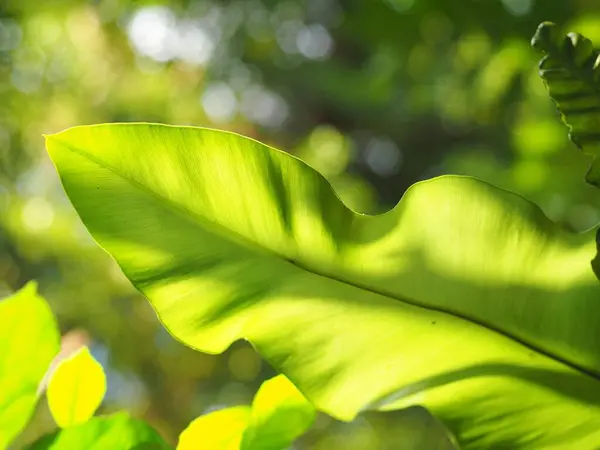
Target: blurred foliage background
{"type": "Point", "coordinates": [375, 94]}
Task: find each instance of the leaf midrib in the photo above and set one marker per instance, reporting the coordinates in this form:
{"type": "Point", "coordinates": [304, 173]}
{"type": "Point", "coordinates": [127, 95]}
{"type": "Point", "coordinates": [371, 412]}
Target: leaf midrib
{"type": "Point", "coordinates": [231, 235]}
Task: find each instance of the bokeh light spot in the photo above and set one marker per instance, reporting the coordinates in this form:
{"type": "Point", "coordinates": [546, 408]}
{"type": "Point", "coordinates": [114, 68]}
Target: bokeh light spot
{"type": "Point", "coordinates": [383, 156]}
{"type": "Point", "coordinates": [219, 102]}
{"type": "Point", "coordinates": [263, 106]}
{"type": "Point", "coordinates": [155, 32]}
{"type": "Point", "coordinates": [314, 42]}
{"type": "Point", "coordinates": [37, 214]}
{"type": "Point", "coordinates": [518, 7]}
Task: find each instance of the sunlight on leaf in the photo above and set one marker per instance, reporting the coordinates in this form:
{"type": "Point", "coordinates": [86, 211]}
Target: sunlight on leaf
{"type": "Point", "coordinates": [280, 414]}
{"type": "Point", "coordinates": [220, 430]}
{"type": "Point", "coordinates": [464, 298]}
{"type": "Point", "coordinates": [76, 389]}
{"type": "Point", "coordinates": [29, 339]}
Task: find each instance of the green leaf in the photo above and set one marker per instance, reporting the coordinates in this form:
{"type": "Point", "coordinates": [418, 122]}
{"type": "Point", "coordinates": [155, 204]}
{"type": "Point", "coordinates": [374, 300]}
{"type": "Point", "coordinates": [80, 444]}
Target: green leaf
{"type": "Point", "coordinates": [464, 298]}
{"type": "Point", "coordinates": [29, 339]}
{"type": "Point", "coordinates": [76, 389]}
{"type": "Point", "coordinates": [571, 72]}
{"type": "Point", "coordinates": [116, 432]}
{"type": "Point", "coordinates": [219, 430]}
{"type": "Point", "coordinates": [280, 414]}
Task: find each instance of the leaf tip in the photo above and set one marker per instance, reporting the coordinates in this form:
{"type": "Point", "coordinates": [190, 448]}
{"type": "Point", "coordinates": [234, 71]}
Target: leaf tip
{"type": "Point", "coordinates": [546, 37]}
{"type": "Point", "coordinates": [49, 137]}
{"type": "Point", "coordinates": [31, 287]}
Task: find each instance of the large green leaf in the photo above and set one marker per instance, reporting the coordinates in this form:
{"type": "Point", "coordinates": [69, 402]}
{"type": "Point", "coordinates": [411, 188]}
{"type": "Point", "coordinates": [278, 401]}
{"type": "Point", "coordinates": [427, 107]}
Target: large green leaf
{"type": "Point", "coordinates": [116, 432]}
{"type": "Point", "coordinates": [29, 339]}
{"type": "Point", "coordinates": [464, 298]}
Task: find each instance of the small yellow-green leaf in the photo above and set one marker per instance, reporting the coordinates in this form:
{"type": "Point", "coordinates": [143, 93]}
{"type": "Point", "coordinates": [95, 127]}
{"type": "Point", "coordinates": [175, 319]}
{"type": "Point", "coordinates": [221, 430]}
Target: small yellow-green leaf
{"type": "Point", "coordinates": [29, 339]}
{"type": "Point", "coordinates": [280, 414]}
{"type": "Point", "coordinates": [76, 389]}
{"type": "Point", "coordinates": [220, 430]}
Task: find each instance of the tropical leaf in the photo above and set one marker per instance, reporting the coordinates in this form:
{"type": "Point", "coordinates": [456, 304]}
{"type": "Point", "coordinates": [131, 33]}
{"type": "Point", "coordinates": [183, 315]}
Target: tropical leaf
{"type": "Point", "coordinates": [29, 339]}
{"type": "Point", "coordinates": [116, 432]}
{"type": "Point", "coordinates": [76, 389]}
{"type": "Point", "coordinates": [571, 72]}
{"type": "Point", "coordinates": [278, 416]}
{"type": "Point", "coordinates": [464, 298]}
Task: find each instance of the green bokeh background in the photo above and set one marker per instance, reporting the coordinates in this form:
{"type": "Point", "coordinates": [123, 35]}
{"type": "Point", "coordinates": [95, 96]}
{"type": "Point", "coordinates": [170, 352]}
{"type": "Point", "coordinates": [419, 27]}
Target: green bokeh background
{"type": "Point", "coordinates": [375, 94]}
